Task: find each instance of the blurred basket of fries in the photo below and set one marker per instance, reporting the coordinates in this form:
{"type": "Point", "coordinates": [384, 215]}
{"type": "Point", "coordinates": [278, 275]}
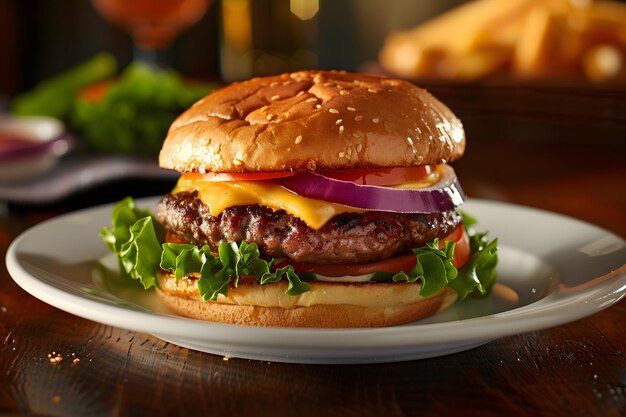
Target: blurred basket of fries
{"type": "Point", "coordinates": [521, 39]}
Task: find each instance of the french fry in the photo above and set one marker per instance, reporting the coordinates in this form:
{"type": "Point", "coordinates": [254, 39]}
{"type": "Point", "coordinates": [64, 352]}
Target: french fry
{"type": "Point", "coordinates": [463, 31]}
{"type": "Point", "coordinates": [602, 22]}
{"type": "Point", "coordinates": [532, 38]}
{"type": "Point", "coordinates": [501, 29]}
{"type": "Point", "coordinates": [537, 52]}
{"type": "Point", "coordinates": [408, 59]}
{"type": "Point", "coordinates": [607, 12]}
{"type": "Point", "coordinates": [458, 29]}
{"type": "Point", "coordinates": [475, 64]}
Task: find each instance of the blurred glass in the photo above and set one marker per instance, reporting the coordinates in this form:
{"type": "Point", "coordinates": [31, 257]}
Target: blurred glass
{"type": "Point", "coordinates": [263, 37]}
{"type": "Point", "coordinates": [267, 37]}
{"type": "Point", "coordinates": [153, 24]}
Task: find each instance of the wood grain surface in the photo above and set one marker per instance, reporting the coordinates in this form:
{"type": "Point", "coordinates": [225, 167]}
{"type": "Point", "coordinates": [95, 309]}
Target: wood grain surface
{"type": "Point", "coordinates": [53, 363]}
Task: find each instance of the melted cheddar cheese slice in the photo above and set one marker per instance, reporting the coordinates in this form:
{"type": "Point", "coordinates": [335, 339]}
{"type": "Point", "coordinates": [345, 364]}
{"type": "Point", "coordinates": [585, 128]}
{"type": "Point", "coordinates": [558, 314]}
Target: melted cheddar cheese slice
{"type": "Point", "coordinates": [221, 195]}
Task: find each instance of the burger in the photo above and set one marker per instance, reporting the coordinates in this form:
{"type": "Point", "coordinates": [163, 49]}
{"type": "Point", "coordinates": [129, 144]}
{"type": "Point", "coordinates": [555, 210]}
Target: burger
{"type": "Point", "coordinates": [309, 199]}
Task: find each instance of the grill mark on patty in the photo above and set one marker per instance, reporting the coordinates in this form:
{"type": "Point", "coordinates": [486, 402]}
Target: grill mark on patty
{"type": "Point", "coordinates": [346, 238]}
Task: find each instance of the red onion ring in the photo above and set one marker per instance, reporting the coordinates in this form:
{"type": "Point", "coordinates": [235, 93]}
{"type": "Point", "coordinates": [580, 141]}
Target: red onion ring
{"type": "Point", "coordinates": [445, 195]}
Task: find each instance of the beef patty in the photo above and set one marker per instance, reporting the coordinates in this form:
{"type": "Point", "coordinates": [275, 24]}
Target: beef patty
{"type": "Point", "coordinates": [346, 238]}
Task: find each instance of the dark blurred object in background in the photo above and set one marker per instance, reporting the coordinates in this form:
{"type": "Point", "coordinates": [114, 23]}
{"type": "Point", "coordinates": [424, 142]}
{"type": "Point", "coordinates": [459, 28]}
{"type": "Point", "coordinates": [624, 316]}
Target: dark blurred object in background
{"type": "Point", "coordinates": [40, 38]}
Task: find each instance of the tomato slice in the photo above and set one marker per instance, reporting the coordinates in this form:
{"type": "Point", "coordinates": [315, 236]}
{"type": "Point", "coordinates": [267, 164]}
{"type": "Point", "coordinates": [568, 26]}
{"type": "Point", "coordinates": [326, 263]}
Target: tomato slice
{"type": "Point", "coordinates": [235, 176]}
{"type": "Point", "coordinates": [395, 264]}
{"type": "Point", "coordinates": [462, 249]}
{"type": "Point", "coordinates": [382, 176]}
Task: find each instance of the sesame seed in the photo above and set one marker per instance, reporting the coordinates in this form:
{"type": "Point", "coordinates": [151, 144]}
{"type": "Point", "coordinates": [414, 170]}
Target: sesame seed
{"type": "Point", "coordinates": [270, 116]}
{"type": "Point", "coordinates": [349, 152]}
{"type": "Point", "coordinates": [359, 147]}
{"type": "Point", "coordinates": [327, 84]}
{"type": "Point", "coordinates": [358, 118]}
{"type": "Point", "coordinates": [375, 120]}
{"type": "Point", "coordinates": [311, 99]}
{"type": "Point", "coordinates": [342, 154]}
{"type": "Point", "coordinates": [340, 129]}
{"type": "Point", "coordinates": [371, 90]}
{"type": "Point", "coordinates": [298, 139]}
{"type": "Point", "coordinates": [317, 79]}
{"type": "Point", "coordinates": [351, 108]}
{"type": "Point", "coordinates": [275, 83]}
{"type": "Point", "coordinates": [409, 140]}
{"type": "Point", "coordinates": [237, 161]}
{"type": "Point", "coordinates": [319, 106]}
{"type": "Point", "coordinates": [334, 111]}
{"type": "Point", "coordinates": [344, 92]}
{"type": "Point", "coordinates": [339, 121]}
{"type": "Point", "coordinates": [276, 97]}
{"type": "Point", "coordinates": [300, 93]}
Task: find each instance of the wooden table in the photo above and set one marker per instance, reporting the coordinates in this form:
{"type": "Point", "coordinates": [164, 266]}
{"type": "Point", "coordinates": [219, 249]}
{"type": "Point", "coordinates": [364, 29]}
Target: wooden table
{"type": "Point", "coordinates": [560, 149]}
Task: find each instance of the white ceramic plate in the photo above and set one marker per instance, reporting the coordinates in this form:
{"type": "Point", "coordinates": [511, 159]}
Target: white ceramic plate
{"type": "Point", "coordinates": [562, 269]}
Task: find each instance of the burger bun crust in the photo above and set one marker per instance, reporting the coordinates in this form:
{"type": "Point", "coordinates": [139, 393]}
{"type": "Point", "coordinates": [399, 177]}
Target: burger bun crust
{"type": "Point", "coordinates": [378, 305]}
{"type": "Point", "coordinates": [313, 120]}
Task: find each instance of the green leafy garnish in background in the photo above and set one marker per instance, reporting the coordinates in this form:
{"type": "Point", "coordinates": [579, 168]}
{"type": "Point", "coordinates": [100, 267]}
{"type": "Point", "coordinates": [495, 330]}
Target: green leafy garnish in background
{"type": "Point", "coordinates": [136, 110]}
{"type": "Point", "coordinates": [135, 237]}
{"type": "Point", "coordinates": [131, 116]}
{"type": "Point", "coordinates": [56, 96]}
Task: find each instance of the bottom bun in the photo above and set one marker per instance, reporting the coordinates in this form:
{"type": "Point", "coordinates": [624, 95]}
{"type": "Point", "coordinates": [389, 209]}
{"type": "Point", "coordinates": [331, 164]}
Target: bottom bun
{"type": "Point", "coordinates": [325, 305]}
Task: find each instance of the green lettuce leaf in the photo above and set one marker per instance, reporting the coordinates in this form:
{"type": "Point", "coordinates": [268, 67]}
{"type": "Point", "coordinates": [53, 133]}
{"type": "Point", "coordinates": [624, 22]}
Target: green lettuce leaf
{"type": "Point", "coordinates": [136, 241]}
{"type": "Point", "coordinates": [184, 259]}
{"type": "Point", "coordinates": [231, 263]}
{"type": "Point", "coordinates": [477, 276]}
{"type": "Point", "coordinates": [296, 284]}
{"type": "Point", "coordinates": [433, 268]}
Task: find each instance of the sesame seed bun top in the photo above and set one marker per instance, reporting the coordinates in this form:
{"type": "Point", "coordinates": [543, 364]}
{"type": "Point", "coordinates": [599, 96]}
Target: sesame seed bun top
{"type": "Point", "coordinates": [313, 120]}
